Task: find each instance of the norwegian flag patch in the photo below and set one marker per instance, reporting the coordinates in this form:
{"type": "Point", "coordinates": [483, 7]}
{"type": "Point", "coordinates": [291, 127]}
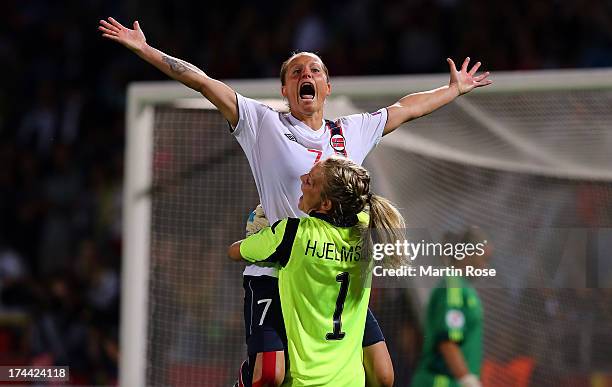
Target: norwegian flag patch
{"type": "Point", "coordinates": [337, 142]}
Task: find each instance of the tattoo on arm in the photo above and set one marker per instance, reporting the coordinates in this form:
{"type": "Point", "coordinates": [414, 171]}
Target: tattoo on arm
{"type": "Point", "coordinates": [175, 65]}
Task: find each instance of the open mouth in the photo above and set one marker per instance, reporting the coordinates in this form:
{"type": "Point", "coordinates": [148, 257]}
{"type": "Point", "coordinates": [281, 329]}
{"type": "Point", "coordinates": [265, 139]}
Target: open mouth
{"type": "Point", "coordinates": [307, 91]}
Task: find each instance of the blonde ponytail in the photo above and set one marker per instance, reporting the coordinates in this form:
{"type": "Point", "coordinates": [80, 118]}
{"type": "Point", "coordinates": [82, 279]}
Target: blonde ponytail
{"type": "Point", "coordinates": [347, 186]}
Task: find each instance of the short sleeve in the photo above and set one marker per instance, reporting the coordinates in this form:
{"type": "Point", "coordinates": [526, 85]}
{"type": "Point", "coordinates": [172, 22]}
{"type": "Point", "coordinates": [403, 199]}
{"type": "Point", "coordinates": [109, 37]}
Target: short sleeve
{"type": "Point", "coordinates": [365, 129]}
{"type": "Point", "coordinates": [250, 115]}
{"type": "Point", "coordinates": [271, 244]}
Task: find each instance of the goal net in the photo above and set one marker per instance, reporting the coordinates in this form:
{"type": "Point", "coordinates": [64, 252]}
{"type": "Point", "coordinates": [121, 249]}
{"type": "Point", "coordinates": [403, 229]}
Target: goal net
{"type": "Point", "coordinates": [528, 160]}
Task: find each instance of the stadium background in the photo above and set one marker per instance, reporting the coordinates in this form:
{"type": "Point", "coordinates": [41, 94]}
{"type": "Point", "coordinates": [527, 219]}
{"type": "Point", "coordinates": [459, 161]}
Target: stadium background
{"type": "Point", "coordinates": [62, 114]}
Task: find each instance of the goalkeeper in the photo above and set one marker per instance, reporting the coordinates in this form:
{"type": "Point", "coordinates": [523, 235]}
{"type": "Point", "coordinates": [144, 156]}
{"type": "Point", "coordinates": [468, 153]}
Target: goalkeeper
{"type": "Point", "coordinates": [325, 275]}
{"type": "Point", "coordinates": [282, 146]}
{"type": "Point", "coordinates": [452, 351]}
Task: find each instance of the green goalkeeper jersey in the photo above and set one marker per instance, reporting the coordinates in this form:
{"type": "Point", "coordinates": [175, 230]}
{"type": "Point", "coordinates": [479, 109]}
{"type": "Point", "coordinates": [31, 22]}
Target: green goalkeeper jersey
{"type": "Point", "coordinates": [454, 313]}
{"type": "Point", "coordinates": [324, 291]}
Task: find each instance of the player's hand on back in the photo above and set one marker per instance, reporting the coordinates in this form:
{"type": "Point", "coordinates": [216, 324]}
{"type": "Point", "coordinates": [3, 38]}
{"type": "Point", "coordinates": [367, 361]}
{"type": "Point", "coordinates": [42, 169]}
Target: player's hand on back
{"type": "Point", "coordinates": [133, 39]}
{"type": "Point", "coordinates": [257, 220]}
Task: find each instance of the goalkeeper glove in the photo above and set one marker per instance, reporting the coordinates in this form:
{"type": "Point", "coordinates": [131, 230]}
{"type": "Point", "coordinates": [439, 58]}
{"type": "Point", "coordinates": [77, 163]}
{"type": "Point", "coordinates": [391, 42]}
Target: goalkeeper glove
{"type": "Point", "coordinates": [257, 220]}
{"type": "Point", "coordinates": [470, 380]}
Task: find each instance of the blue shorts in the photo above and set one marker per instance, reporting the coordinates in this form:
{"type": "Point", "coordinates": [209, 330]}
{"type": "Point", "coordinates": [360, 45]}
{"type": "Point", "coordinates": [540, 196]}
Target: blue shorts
{"type": "Point", "coordinates": [263, 317]}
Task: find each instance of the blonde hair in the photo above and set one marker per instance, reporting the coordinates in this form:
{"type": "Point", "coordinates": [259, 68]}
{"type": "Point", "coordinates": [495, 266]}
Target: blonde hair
{"type": "Point", "coordinates": [285, 65]}
{"type": "Point", "coordinates": [347, 186]}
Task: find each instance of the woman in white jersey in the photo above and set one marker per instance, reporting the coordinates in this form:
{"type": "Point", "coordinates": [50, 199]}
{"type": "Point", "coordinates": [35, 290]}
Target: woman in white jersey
{"type": "Point", "coordinates": [280, 148]}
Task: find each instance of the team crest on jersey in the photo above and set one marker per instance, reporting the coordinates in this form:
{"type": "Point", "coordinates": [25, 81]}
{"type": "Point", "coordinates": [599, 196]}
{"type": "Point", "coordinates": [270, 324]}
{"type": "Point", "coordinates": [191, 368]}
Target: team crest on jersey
{"type": "Point", "coordinates": [337, 142]}
{"type": "Point", "coordinates": [455, 318]}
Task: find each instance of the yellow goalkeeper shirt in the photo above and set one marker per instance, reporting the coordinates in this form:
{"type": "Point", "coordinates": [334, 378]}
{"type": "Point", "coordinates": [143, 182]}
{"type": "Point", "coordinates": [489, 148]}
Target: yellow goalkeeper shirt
{"type": "Point", "coordinates": [324, 290]}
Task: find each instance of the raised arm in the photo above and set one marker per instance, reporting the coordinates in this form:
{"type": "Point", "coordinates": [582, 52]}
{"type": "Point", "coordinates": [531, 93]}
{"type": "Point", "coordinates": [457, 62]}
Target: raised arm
{"type": "Point", "coordinates": [220, 94]}
{"type": "Point", "coordinates": [419, 104]}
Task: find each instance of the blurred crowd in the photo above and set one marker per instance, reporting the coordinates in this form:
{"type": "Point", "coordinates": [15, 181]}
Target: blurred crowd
{"type": "Point", "coordinates": [62, 113]}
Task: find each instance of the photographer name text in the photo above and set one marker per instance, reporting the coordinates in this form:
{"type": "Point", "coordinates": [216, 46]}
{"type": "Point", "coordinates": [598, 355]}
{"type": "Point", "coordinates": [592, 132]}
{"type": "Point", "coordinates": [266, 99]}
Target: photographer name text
{"type": "Point", "coordinates": [433, 271]}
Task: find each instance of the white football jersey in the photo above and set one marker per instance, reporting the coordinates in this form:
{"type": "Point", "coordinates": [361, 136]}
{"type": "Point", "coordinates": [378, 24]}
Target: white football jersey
{"type": "Point", "coordinates": [281, 148]}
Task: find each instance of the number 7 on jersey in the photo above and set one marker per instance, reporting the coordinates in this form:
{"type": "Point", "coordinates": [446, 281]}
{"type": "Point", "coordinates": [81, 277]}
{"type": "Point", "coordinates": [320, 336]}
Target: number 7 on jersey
{"type": "Point", "coordinates": [318, 152]}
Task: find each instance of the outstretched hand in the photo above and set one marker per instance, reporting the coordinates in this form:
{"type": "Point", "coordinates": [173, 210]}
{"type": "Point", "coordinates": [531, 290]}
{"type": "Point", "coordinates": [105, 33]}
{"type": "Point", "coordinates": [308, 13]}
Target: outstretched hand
{"type": "Point", "coordinates": [113, 30]}
{"type": "Point", "coordinates": [464, 80]}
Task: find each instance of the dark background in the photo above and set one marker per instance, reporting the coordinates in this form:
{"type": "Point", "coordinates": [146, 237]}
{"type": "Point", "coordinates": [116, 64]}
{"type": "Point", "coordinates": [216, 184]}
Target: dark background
{"type": "Point", "coordinates": [62, 113]}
